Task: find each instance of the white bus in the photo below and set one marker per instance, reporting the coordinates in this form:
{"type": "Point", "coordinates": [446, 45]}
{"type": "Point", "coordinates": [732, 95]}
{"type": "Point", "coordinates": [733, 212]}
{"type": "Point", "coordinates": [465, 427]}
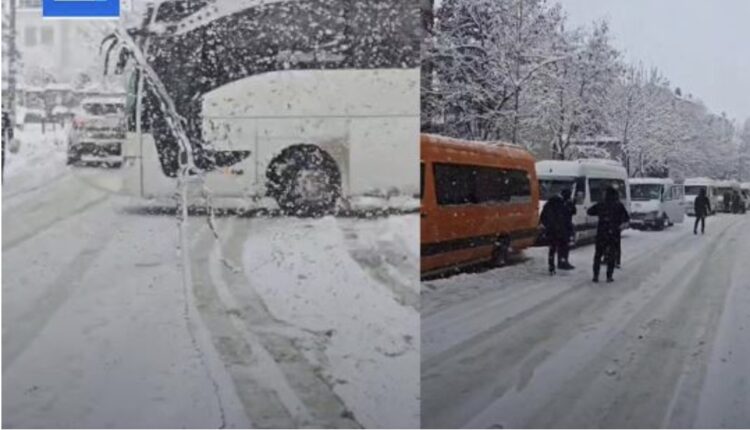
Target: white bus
{"type": "Point", "coordinates": [656, 203]}
{"type": "Point", "coordinates": [693, 186]}
{"type": "Point", "coordinates": [723, 188]}
{"type": "Point", "coordinates": [305, 101]}
{"type": "Point", "coordinates": [745, 187]}
{"type": "Point", "coordinates": [587, 179]}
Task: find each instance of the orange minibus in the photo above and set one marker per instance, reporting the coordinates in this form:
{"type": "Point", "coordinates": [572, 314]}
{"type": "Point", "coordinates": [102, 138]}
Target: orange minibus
{"type": "Point", "coordinates": [479, 202]}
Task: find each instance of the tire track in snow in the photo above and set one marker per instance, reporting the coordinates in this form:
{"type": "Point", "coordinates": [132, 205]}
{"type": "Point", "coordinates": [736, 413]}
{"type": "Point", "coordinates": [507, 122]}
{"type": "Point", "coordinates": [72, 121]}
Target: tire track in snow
{"type": "Point", "coordinates": [725, 396]}
{"type": "Point", "coordinates": [383, 261]}
{"type": "Point", "coordinates": [36, 317]}
{"type": "Point", "coordinates": [656, 357]}
{"type": "Point", "coordinates": [23, 223]}
{"type": "Point", "coordinates": [276, 384]}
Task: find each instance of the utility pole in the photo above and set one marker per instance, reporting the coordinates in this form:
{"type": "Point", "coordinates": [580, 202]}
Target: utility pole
{"type": "Point", "coordinates": [12, 54]}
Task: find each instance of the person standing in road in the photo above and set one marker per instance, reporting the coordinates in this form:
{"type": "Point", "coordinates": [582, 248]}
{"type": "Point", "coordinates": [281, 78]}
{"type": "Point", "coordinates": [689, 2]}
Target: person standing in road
{"type": "Point", "coordinates": [7, 137]}
{"type": "Point", "coordinates": [736, 202]}
{"type": "Point", "coordinates": [612, 214]}
{"type": "Point", "coordinates": [564, 251]}
{"type": "Point", "coordinates": [727, 202]}
{"type": "Point", "coordinates": [702, 208]}
{"type": "Point", "coordinates": [554, 219]}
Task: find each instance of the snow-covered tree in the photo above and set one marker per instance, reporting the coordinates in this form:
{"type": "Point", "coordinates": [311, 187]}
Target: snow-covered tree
{"type": "Point", "coordinates": [485, 54]}
{"type": "Point", "coordinates": [571, 96]}
{"type": "Point", "coordinates": [744, 150]}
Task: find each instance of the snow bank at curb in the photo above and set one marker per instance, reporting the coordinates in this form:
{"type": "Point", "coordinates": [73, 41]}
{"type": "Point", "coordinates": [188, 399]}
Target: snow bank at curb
{"type": "Point", "coordinates": [310, 280]}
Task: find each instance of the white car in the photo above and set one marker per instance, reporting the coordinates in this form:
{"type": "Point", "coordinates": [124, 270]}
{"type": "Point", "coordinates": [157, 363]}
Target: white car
{"type": "Point", "coordinates": [98, 132]}
{"type": "Point", "coordinates": [656, 203]}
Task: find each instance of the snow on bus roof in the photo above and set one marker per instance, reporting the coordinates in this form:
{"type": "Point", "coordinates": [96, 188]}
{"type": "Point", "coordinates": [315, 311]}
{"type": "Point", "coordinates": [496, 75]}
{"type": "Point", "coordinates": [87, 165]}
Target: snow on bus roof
{"type": "Point", "coordinates": [572, 168]}
{"type": "Point", "coordinates": [469, 142]}
{"type": "Point", "coordinates": [475, 145]}
{"type": "Point", "coordinates": [104, 100]}
{"type": "Point", "coordinates": [699, 181]}
{"type": "Point", "coordinates": [727, 183]}
{"type": "Point", "coordinates": [663, 181]}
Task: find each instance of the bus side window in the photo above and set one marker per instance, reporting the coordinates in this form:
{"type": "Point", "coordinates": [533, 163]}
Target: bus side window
{"type": "Point", "coordinates": [454, 184]}
{"type": "Point", "coordinates": [519, 186]}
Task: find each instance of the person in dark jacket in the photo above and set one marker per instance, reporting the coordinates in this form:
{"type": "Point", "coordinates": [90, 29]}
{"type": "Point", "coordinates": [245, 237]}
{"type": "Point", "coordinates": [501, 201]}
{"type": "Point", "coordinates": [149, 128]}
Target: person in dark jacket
{"type": "Point", "coordinates": [727, 202]}
{"type": "Point", "coordinates": [736, 202]}
{"type": "Point", "coordinates": [564, 251]}
{"type": "Point", "coordinates": [554, 219]}
{"type": "Point", "coordinates": [612, 214]}
{"type": "Point", "coordinates": [702, 208]}
{"type": "Point", "coordinates": [7, 137]}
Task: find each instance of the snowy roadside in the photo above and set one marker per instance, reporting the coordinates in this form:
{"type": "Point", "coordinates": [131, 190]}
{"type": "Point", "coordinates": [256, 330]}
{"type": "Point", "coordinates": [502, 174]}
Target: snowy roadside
{"type": "Point", "coordinates": [40, 159]}
{"type": "Point", "coordinates": [372, 348]}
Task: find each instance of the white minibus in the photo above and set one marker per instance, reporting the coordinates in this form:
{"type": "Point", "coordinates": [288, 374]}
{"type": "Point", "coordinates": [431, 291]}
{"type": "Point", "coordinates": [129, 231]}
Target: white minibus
{"type": "Point", "coordinates": [587, 179]}
{"type": "Point", "coordinates": [656, 203]}
{"type": "Point", "coordinates": [693, 186]}
{"type": "Point", "coordinates": [723, 188]}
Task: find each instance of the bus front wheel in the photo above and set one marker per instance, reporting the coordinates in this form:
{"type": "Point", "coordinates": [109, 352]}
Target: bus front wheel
{"type": "Point", "coordinates": [304, 180]}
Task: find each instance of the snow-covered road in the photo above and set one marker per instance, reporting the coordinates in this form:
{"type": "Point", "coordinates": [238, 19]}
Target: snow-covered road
{"type": "Point", "coordinates": [667, 344]}
{"type": "Point", "coordinates": [288, 322]}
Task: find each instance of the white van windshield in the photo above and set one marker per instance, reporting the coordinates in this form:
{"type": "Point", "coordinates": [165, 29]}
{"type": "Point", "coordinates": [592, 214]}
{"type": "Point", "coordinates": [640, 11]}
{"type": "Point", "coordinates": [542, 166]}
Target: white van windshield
{"type": "Point", "coordinates": [645, 192]}
{"type": "Point", "coordinates": [598, 186]}
{"type": "Point", "coordinates": [693, 190]}
{"type": "Point", "coordinates": [552, 187]}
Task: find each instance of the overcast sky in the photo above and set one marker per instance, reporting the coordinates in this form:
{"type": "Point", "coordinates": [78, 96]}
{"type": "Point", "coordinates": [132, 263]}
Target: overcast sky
{"type": "Point", "coordinates": [702, 46]}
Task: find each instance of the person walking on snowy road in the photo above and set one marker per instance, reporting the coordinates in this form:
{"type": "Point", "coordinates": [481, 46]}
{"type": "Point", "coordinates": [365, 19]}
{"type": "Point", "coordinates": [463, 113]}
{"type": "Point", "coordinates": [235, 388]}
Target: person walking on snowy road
{"type": "Point", "coordinates": [612, 214]}
{"type": "Point", "coordinates": [564, 251]}
{"type": "Point", "coordinates": [554, 219]}
{"type": "Point", "coordinates": [702, 207]}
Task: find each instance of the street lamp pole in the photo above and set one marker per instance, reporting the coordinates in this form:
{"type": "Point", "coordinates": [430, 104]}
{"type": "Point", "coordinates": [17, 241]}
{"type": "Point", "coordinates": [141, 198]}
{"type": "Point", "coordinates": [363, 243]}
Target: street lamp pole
{"type": "Point", "coordinates": [12, 55]}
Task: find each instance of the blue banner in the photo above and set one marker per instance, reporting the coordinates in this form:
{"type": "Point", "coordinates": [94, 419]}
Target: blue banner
{"type": "Point", "coordinates": [81, 8]}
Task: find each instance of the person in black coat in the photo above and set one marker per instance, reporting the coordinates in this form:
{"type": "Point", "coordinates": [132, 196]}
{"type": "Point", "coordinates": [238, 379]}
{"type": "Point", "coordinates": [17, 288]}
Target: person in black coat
{"type": "Point", "coordinates": [612, 214]}
{"type": "Point", "coordinates": [727, 202]}
{"type": "Point", "coordinates": [736, 202]}
{"type": "Point", "coordinates": [7, 137]}
{"type": "Point", "coordinates": [564, 251]}
{"type": "Point", "coordinates": [702, 207]}
{"type": "Point", "coordinates": [554, 219]}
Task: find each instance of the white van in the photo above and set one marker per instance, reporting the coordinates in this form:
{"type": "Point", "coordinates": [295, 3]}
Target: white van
{"type": "Point", "coordinates": [724, 187]}
{"type": "Point", "coordinates": [656, 203]}
{"type": "Point", "coordinates": [693, 186]}
{"type": "Point", "coordinates": [587, 179]}
{"type": "Point", "coordinates": [745, 187]}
